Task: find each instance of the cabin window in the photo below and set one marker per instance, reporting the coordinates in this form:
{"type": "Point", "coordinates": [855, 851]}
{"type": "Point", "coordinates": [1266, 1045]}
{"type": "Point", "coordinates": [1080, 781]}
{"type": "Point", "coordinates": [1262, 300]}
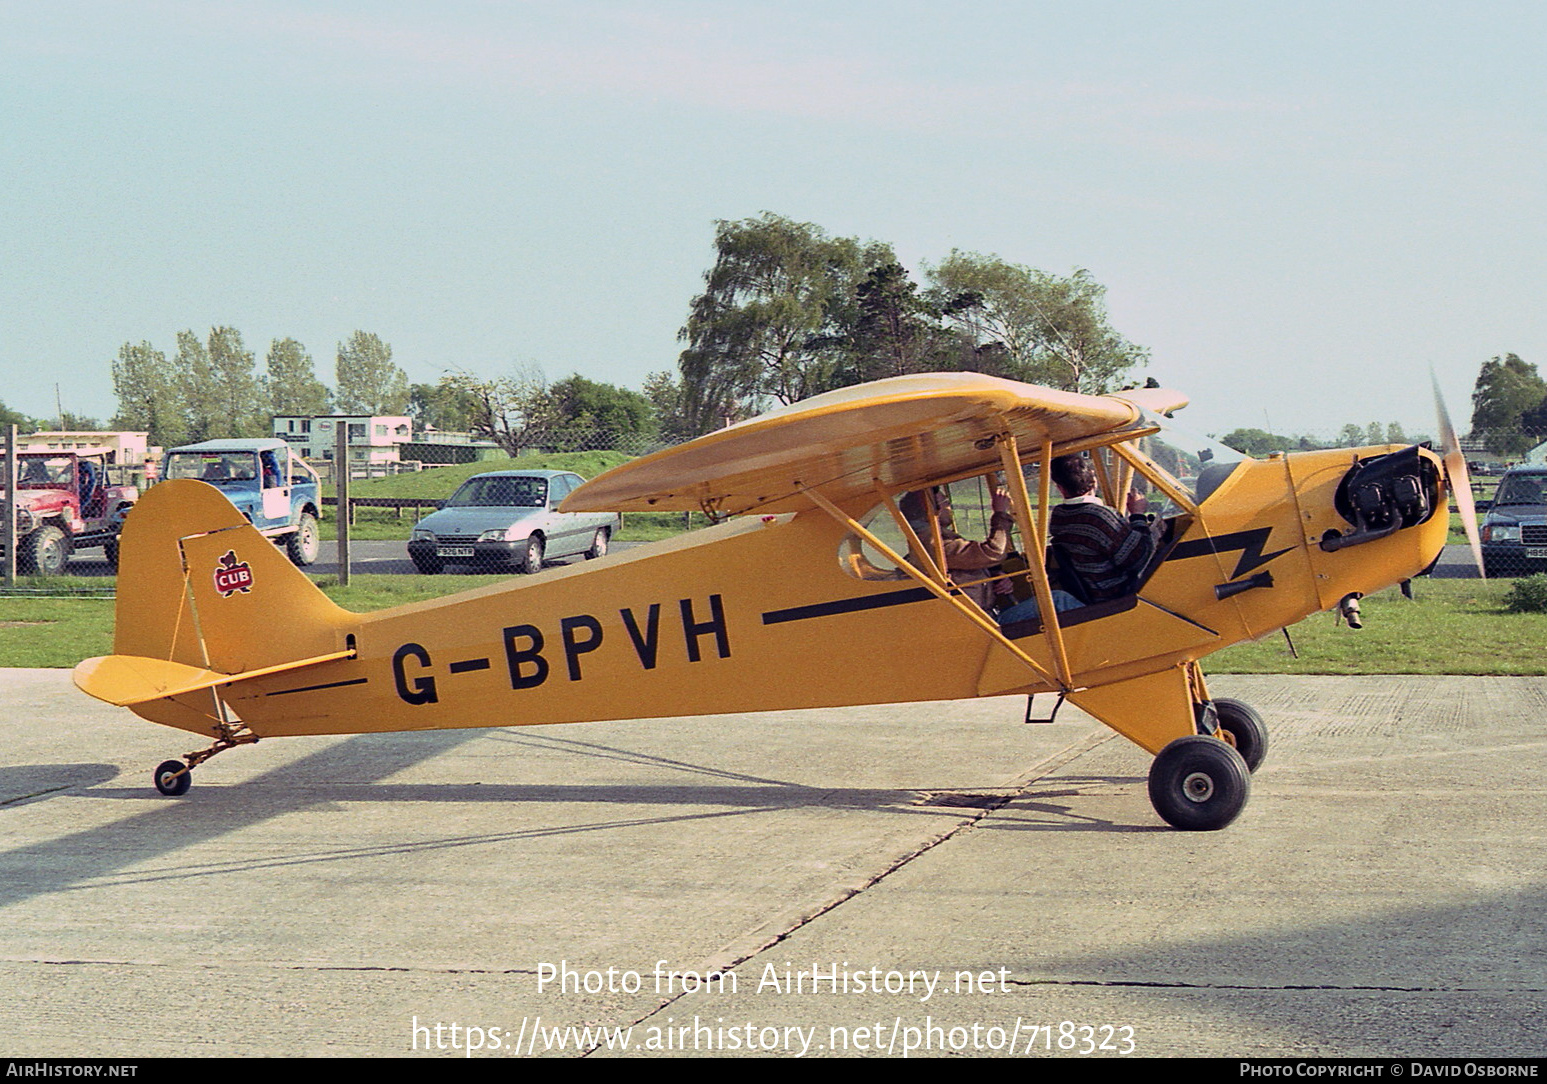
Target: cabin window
{"type": "Point", "coordinates": [971, 502]}
{"type": "Point", "coordinates": [1198, 465]}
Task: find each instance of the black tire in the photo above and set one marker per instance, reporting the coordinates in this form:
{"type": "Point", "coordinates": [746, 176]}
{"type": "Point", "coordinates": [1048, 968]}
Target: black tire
{"type": "Point", "coordinates": [110, 552]}
{"type": "Point", "coordinates": [532, 556]}
{"type": "Point", "coordinates": [173, 777]}
{"type": "Point", "coordinates": [1245, 726]}
{"type": "Point", "coordinates": [306, 543]}
{"type": "Point", "coordinates": [1199, 784]}
{"type": "Point", "coordinates": [429, 566]}
{"type": "Point", "coordinates": [44, 552]}
{"type": "Point", "coordinates": [598, 544]}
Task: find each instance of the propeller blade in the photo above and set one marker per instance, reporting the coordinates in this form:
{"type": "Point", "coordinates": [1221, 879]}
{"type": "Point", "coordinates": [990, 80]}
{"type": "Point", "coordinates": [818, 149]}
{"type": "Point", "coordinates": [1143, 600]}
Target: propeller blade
{"type": "Point", "coordinates": [1460, 480]}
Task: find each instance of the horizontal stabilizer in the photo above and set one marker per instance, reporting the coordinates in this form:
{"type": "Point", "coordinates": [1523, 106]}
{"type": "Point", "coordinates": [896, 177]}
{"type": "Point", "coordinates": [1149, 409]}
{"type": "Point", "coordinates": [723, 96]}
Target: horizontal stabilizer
{"type": "Point", "coordinates": [125, 680]}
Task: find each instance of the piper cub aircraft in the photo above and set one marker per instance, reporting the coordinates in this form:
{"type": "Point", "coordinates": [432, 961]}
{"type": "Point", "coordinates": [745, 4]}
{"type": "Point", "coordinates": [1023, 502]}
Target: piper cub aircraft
{"type": "Point", "coordinates": [814, 589]}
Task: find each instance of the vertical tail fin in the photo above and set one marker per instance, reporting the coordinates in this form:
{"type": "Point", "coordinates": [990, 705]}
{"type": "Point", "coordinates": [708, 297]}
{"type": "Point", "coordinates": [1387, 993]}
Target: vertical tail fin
{"type": "Point", "coordinates": [198, 585]}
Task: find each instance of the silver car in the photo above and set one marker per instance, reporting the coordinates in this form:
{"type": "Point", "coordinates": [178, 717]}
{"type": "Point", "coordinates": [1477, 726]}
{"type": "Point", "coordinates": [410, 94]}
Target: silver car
{"type": "Point", "coordinates": [509, 520]}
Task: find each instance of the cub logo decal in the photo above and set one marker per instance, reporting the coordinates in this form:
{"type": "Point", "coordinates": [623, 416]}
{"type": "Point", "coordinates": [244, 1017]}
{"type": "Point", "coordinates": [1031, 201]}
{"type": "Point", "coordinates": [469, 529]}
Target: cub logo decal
{"type": "Point", "coordinates": [232, 575]}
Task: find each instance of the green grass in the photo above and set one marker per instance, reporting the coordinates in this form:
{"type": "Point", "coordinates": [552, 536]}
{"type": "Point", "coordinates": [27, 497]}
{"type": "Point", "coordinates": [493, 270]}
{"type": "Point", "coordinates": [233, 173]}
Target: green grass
{"type": "Point", "coordinates": [54, 631]}
{"type": "Point", "coordinates": [1452, 627]}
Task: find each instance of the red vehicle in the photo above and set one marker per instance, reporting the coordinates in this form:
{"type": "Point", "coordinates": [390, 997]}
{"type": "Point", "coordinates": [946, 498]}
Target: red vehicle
{"type": "Point", "coordinates": [65, 502]}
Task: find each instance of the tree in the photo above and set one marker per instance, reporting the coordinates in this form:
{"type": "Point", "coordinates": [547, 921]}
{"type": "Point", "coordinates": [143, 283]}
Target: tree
{"type": "Point", "coordinates": [9, 417]}
{"type": "Point", "coordinates": [71, 422]}
{"type": "Point", "coordinates": [447, 406]}
{"type": "Point", "coordinates": [368, 381]}
{"type": "Point", "coordinates": [1032, 326]}
{"type": "Point", "coordinates": [1350, 436]}
{"type": "Point", "coordinates": [510, 411]}
{"type": "Point", "coordinates": [611, 412]}
{"type": "Point", "coordinates": [196, 386]}
{"type": "Point", "coordinates": [1257, 443]}
{"type": "Point", "coordinates": [668, 402]}
{"type": "Point", "coordinates": [1507, 390]}
{"type": "Point", "coordinates": [293, 387]}
{"type": "Point", "coordinates": [777, 306]}
{"type": "Point", "coordinates": [236, 390]}
{"type": "Point", "coordinates": [149, 394]}
{"type": "Point", "coordinates": [897, 331]}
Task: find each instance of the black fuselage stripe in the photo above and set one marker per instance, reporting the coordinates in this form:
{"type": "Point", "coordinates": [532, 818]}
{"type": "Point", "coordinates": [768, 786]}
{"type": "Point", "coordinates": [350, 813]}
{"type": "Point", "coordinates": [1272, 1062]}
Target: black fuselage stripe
{"type": "Point", "coordinates": [314, 688]}
{"type": "Point", "coordinates": [847, 605]}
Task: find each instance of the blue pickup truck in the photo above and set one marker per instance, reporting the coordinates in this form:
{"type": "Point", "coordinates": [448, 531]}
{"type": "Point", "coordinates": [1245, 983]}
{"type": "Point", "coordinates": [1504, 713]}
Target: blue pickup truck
{"type": "Point", "coordinates": [269, 484]}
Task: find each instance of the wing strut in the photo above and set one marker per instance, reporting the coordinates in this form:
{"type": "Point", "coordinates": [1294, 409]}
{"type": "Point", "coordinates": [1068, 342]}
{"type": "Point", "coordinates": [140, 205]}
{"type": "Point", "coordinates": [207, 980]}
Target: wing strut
{"type": "Point", "coordinates": [1134, 459]}
{"type": "Point", "coordinates": [1035, 534]}
{"type": "Point", "coordinates": [937, 588]}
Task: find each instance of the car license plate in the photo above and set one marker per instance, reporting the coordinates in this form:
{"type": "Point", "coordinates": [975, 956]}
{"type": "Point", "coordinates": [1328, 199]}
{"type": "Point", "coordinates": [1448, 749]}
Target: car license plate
{"type": "Point", "coordinates": [1536, 553]}
{"type": "Point", "coordinates": [453, 551]}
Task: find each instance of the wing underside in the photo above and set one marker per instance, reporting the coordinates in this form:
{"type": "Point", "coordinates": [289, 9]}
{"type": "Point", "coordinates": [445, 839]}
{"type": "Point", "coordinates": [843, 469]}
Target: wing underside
{"type": "Point", "coordinates": [900, 434]}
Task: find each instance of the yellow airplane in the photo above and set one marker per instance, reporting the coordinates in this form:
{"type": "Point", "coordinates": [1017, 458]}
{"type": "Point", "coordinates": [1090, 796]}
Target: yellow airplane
{"type": "Point", "coordinates": [814, 590]}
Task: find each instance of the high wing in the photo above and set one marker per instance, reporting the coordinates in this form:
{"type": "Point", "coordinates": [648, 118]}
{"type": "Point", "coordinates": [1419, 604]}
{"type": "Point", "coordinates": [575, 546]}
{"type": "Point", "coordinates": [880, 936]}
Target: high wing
{"type": "Point", "coordinates": [902, 433]}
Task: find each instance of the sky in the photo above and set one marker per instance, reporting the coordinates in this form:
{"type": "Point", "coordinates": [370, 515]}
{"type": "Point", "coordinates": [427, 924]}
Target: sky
{"type": "Point", "coordinates": [1298, 209]}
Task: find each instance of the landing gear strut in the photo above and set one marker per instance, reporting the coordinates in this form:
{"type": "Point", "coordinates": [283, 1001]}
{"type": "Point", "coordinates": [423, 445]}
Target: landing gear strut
{"type": "Point", "coordinates": [174, 777]}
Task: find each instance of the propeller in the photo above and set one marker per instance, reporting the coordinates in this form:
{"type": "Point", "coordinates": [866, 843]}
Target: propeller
{"type": "Point", "coordinates": [1460, 480]}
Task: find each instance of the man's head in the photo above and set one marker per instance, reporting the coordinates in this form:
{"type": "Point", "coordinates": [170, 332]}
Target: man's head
{"type": "Point", "coordinates": [1073, 475]}
{"type": "Point", "coordinates": [915, 507]}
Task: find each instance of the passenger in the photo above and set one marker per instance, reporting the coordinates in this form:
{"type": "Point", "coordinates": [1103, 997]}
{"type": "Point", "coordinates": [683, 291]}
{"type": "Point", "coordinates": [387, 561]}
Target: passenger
{"type": "Point", "coordinates": [962, 554]}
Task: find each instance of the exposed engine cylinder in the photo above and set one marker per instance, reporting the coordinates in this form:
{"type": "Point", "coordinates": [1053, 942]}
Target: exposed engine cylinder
{"type": "Point", "coordinates": [1382, 494]}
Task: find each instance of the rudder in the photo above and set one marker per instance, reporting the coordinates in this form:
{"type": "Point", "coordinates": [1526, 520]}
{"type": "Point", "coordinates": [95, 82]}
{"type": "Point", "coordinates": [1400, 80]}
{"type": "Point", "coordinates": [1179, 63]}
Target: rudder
{"type": "Point", "coordinates": [198, 585]}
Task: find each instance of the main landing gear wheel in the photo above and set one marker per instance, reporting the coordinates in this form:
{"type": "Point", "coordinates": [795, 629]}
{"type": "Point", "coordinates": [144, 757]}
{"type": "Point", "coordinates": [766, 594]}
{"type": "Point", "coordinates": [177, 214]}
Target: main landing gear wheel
{"type": "Point", "coordinates": [1199, 784]}
{"type": "Point", "coordinates": [173, 777]}
{"type": "Point", "coordinates": [1247, 731]}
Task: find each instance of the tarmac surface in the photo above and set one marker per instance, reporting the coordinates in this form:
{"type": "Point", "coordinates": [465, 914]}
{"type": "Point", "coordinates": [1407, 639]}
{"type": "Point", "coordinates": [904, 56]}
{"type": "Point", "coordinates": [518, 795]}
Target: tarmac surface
{"type": "Point", "coordinates": [937, 877]}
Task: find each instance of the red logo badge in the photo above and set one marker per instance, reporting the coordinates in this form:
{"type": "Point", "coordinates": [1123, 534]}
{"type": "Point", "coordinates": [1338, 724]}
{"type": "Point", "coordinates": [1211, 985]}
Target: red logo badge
{"type": "Point", "coordinates": [232, 575]}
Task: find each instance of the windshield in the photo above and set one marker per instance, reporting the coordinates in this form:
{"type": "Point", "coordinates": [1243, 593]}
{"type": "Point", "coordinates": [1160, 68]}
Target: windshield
{"type": "Point", "coordinates": [1522, 489]}
{"type": "Point", "coordinates": [42, 472]}
{"type": "Point", "coordinates": [499, 492]}
{"type": "Point", "coordinates": [1199, 465]}
{"type": "Point", "coordinates": [216, 468]}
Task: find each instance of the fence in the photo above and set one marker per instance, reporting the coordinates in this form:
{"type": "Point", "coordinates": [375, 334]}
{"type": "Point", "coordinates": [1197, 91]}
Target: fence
{"type": "Point", "coordinates": [86, 565]}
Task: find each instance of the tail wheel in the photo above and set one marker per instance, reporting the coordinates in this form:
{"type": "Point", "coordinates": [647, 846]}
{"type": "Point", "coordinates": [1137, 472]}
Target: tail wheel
{"type": "Point", "coordinates": [1244, 729]}
{"type": "Point", "coordinates": [173, 777]}
{"type": "Point", "coordinates": [1199, 784]}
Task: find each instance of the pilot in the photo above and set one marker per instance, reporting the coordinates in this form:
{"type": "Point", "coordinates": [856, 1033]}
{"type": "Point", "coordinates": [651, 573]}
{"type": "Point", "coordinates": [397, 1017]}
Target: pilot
{"type": "Point", "coordinates": [1105, 552]}
{"type": "Point", "coordinates": [1099, 550]}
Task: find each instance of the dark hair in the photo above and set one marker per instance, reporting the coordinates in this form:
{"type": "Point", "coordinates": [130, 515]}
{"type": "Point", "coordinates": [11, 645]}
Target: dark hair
{"type": "Point", "coordinates": [1073, 474]}
{"type": "Point", "coordinates": [915, 509]}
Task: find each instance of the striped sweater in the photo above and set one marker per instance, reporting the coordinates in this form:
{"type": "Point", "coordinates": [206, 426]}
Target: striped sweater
{"type": "Point", "coordinates": [1106, 551]}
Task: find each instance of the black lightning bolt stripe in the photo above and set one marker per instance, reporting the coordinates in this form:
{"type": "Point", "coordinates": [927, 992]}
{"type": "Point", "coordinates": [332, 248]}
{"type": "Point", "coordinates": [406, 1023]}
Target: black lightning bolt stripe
{"type": "Point", "coordinates": [847, 605]}
{"type": "Point", "coordinates": [1250, 544]}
